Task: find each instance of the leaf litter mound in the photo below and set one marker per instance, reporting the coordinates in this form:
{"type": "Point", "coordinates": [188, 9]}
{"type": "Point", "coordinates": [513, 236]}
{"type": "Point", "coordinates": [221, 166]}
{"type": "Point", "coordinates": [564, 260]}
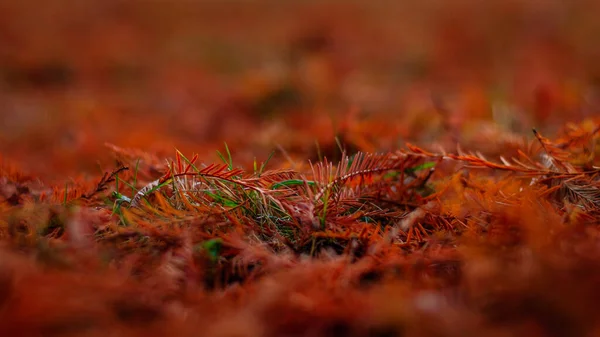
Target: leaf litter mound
{"type": "Point", "coordinates": [408, 242]}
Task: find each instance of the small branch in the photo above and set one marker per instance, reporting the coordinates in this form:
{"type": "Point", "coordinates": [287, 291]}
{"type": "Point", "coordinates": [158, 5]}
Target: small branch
{"type": "Point", "coordinates": [104, 181]}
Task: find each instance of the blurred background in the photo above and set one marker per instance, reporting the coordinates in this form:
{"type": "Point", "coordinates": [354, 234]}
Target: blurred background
{"type": "Point", "coordinates": [157, 75]}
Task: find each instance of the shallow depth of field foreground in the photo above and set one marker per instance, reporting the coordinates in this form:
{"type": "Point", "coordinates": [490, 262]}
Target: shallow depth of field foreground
{"type": "Point", "coordinates": [299, 168]}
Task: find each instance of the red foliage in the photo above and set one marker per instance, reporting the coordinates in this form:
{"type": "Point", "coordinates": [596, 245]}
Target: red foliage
{"type": "Point", "coordinates": [379, 175]}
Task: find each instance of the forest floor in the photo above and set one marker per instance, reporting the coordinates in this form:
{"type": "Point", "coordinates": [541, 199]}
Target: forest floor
{"type": "Point", "coordinates": [338, 168]}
